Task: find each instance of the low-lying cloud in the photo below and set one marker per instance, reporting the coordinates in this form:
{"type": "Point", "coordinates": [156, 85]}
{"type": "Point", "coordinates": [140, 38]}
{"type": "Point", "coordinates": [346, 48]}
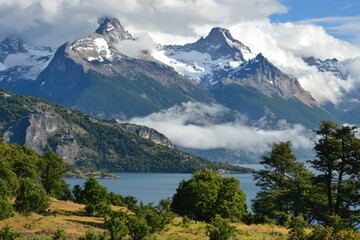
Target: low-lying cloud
{"type": "Point", "coordinates": [133, 48]}
{"type": "Point", "coordinates": [286, 44]}
{"type": "Point", "coordinates": [178, 124]}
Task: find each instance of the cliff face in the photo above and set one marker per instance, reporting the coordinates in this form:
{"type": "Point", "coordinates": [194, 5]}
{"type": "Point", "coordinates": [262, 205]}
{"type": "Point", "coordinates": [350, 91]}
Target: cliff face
{"type": "Point", "coordinates": [147, 133]}
{"type": "Point", "coordinates": [42, 127]}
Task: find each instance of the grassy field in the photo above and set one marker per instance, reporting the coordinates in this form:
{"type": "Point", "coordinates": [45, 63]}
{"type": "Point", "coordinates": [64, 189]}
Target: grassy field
{"type": "Point", "coordinates": [71, 218]}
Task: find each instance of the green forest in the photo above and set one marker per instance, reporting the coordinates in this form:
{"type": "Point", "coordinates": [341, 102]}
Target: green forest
{"type": "Point", "coordinates": [320, 204]}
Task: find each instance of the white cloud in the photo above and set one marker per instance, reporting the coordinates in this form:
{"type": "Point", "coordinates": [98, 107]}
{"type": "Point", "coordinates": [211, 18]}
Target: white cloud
{"type": "Point", "coordinates": [348, 25]}
{"type": "Point", "coordinates": [16, 59]}
{"type": "Point", "coordinates": [52, 22]}
{"type": "Point", "coordinates": [177, 123]}
{"type": "Point", "coordinates": [285, 44]}
{"type": "Point", "coordinates": [133, 48]}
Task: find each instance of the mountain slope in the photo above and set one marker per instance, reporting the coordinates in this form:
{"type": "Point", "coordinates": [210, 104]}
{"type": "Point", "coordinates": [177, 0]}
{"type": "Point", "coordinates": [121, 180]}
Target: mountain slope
{"type": "Point", "coordinates": [92, 75]}
{"type": "Point", "coordinates": [348, 108]}
{"type": "Point", "coordinates": [85, 141]}
{"type": "Point", "coordinates": [242, 81]}
{"type": "Point", "coordinates": [19, 61]}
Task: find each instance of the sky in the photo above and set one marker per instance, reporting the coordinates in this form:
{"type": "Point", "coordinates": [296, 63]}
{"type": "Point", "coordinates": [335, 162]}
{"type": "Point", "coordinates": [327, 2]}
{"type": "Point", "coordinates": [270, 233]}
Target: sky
{"type": "Point", "coordinates": [285, 31]}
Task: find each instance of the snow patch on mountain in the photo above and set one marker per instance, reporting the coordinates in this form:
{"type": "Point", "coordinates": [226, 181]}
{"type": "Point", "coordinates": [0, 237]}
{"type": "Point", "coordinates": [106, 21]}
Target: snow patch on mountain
{"type": "Point", "coordinates": [93, 48]}
{"type": "Point", "coordinates": [27, 63]}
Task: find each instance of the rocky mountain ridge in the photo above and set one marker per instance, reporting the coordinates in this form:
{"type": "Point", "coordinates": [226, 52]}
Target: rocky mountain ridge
{"type": "Point", "coordinates": [87, 142]}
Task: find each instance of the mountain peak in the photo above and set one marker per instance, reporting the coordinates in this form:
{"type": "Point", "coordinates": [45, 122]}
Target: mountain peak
{"type": "Point", "coordinates": [219, 34]}
{"type": "Point", "coordinates": [11, 45]}
{"type": "Point", "coordinates": [14, 43]}
{"type": "Point", "coordinates": [112, 30]}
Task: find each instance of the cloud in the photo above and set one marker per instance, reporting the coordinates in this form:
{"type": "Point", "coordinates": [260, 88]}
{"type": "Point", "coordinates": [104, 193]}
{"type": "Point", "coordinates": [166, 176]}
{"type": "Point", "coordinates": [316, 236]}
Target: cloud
{"type": "Point", "coordinates": [52, 22]}
{"type": "Point", "coordinates": [346, 26]}
{"type": "Point", "coordinates": [16, 59]}
{"type": "Point", "coordinates": [177, 123]}
{"type": "Point", "coordinates": [133, 48]}
{"type": "Point", "coordinates": [285, 45]}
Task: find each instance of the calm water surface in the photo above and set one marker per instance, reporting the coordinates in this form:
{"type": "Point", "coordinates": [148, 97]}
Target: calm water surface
{"type": "Point", "coordinates": [152, 187]}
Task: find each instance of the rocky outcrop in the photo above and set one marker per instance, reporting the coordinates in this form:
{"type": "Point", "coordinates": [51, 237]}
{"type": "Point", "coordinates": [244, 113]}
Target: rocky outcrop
{"type": "Point", "coordinates": [147, 133]}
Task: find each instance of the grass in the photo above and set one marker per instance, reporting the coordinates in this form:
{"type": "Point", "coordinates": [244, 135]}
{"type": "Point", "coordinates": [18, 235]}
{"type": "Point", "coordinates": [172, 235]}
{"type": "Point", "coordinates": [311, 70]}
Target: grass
{"type": "Point", "coordinates": [72, 219]}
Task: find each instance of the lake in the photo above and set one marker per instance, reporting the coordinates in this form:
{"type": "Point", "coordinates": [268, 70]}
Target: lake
{"type": "Point", "coordinates": [152, 187]}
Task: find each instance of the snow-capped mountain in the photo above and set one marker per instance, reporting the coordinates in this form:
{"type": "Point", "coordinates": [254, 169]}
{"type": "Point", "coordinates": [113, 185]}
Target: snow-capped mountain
{"type": "Point", "coordinates": [93, 75]}
{"type": "Point", "coordinates": [219, 50]}
{"type": "Point", "coordinates": [19, 61]}
{"type": "Point", "coordinates": [219, 58]}
{"type": "Point", "coordinates": [327, 65]}
{"type": "Point", "coordinates": [348, 107]}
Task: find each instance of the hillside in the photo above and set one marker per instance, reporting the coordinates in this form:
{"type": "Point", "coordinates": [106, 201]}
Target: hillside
{"type": "Point", "coordinates": [71, 217]}
{"type": "Point", "coordinates": [88, 142]}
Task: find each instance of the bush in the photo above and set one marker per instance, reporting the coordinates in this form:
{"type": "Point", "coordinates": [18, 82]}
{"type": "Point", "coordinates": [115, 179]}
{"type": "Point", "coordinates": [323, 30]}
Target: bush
{"type": "Point", "coordinates": [138, 228]}
{"type": "Point", "coordinates": [117, 225]}
{"type": "Point", "coordinates": [90, 235]}
{"type": "Point", "coordinates": [7, 233]}
{"type": "Point", "coordinates": [98, 209]}
{"type": "Point", "coordinates": [297, 229]}
{"type": "Point", "coordinates": [207, 194]}
{"type": "Point", "coordinates": [59, 234]}
{"type": "Point", "coordinates": [31, 197]}
{"type": "Point", "coordinates": [6, 209]}
{"type": "Point", "coordinates": [220, 229]}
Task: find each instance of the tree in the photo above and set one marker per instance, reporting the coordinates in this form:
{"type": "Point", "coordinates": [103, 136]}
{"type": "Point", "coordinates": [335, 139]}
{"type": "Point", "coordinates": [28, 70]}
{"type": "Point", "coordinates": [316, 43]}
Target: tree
{"type": "Point", "coordinates": [96, 198]}
{"type": "Point", "coordinates": [220, 229]}
{"type": "Point", "coordinates": [338, 161]}
{"type": "Point", "coordinates": [8, 177]}
{"type": "Point", "coordinates": [138, 228]}
{"type": "Point", "coordinates": [94, 192]}
{"type": "Point", "coordinates": [199, 198]}
{"type": "Point", "coordinates": [7, 233]}
{"type": "Point", "coordinates": [31, 197]}
{"type": "Point", "coordinates": [6, 209]}
{"type": "Point", "coordinates": [52, 169]}
{"type": "Point", "coordinates": [116, 225]}
{"type": "Point", "coordinates": [285, 185]}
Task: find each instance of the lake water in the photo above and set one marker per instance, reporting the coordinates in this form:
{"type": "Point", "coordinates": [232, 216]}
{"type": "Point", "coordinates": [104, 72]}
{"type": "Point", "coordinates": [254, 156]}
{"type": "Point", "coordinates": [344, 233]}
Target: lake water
{"type": "Point", "coordinates": [152, 187]}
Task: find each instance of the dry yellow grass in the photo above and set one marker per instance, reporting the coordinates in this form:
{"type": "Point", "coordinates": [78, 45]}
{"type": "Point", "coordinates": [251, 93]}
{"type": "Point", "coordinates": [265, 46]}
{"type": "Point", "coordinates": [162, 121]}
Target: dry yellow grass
{"type": "Point", "coordinates": [62, 215]}
{"type": "Point", "coordinates": [71, 218]}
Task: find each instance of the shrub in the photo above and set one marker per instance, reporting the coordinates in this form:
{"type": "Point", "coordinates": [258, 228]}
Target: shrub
{"type": "Point", "coordinates": [31, 197]}
{"type": "Point", "coordinates": [6, 209]}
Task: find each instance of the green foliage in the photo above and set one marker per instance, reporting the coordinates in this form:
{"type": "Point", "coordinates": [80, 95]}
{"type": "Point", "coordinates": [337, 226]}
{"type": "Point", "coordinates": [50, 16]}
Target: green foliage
{"type": "Point", "coordinates": [31, 197]}
{"type": "Point", "coordinates": [130, 202]}
{"type": "Point", "coordinates": [284, 184]}
{"type": "Point", "coordinates": [6, 209]}
{"type": "Point", "coordinates": [138, 228]}
{"type": "Point", "coordinates": [8, 177]}
{"type": "Point", "coordinates": [319, 232]}
{"type": "Point", "coordinates": [220, 229]}
{"type": "Point", "coordinates": [98, 209]}
{"type": "Point", "coordinates": [297, 229]}
{"type": "Point", "coordinates": [116, 199]}
{"type": "Point", "coordinates": [116, 225]}
{"type": "Point", "coordinates": [52, 169]}
{"type": "Point", "coordinates": [76, 194]}
{"type": "Point", "coordinates": [4, 189]}
{"type": "Point", "coordinates": [338, 152]}
{"type": "Point", "coordinates": [94, 192]}
{"type": "Point", "coordinates": [104, 144]}
{"type": "Point", "coordinates": [95, 196]}
{"type": "Point", "coordinates": [156, 217]}
{"type": "Point", "coordinates": [7, 233]}
{"type": "Point", "coordinates": [59, 234]}
{"type": "Point", "coordinates": [207, 194]}
{"type": "Point", "coordinates": [90, 235]}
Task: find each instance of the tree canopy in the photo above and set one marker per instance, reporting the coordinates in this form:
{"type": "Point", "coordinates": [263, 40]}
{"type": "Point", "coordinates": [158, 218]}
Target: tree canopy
{"type": "Point", "coordinates": [207, 194]}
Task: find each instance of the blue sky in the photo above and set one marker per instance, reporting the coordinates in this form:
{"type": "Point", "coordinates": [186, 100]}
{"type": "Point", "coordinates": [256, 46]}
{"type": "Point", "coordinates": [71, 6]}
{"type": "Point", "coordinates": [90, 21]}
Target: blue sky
{"type": "Point", "coordinates": [338, 17]}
